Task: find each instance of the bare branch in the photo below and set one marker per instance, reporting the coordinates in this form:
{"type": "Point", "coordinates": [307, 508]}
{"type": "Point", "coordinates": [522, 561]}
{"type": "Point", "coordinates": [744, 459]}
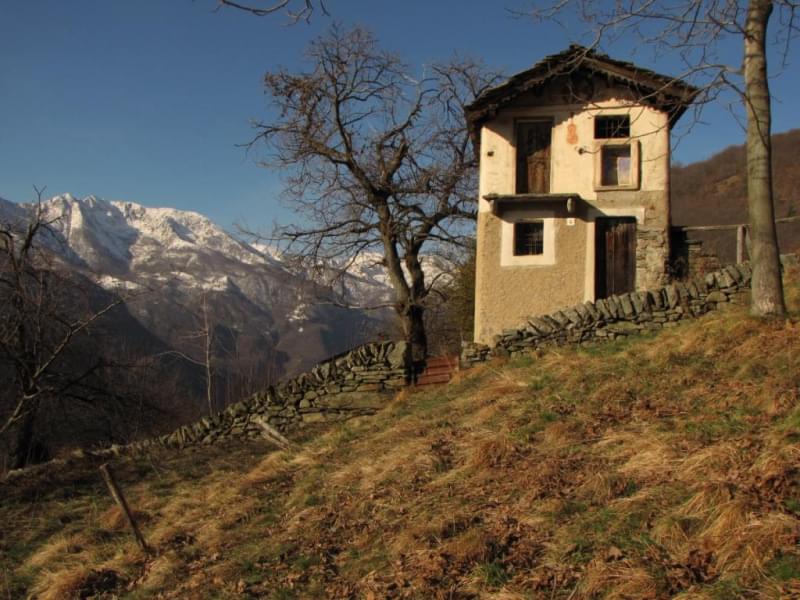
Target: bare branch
{"type": "Point", "coordinates": [375, 158]}
{"type": "Point", "coordinates": [303, 13]}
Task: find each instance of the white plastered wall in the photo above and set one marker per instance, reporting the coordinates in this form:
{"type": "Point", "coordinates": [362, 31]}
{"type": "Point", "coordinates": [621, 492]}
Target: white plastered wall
{"type": "Point", "coordinates": [572, 170]}
{"type": "Point", "coordinates": [572, 148]}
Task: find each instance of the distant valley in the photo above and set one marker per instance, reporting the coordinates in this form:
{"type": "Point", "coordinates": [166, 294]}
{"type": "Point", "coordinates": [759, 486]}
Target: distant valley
{"type": "Point", "coordinates": [267, 320]}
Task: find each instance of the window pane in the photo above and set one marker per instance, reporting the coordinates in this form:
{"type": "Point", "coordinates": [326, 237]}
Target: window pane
{"type": "Point", "coordinates": [528, 238]}
{"type": "Point", "coordinates": [616, 165]}
{"type": "Point", "coordinates": [612, 127]}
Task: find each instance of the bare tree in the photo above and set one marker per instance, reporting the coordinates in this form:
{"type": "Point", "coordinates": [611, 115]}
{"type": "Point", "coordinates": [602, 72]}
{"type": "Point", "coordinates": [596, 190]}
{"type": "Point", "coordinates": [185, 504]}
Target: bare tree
{"type": "Point", "coordinates": [695, 31]}
{"type": "Point", "coordinates": [204, 335]}
{"type": "Point", "coordinates": [207, 335]}
{"type": "Point", "coordinates": [45, 313]}
{"type": "Point", "coordinates": [377, 160]}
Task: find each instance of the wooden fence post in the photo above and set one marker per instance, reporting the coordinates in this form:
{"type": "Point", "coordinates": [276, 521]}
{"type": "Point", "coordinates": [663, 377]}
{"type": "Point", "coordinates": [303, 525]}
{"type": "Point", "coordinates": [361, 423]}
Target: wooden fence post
{"type": "Point", "coordinates": [741, 232]}
{"type": "Point", "coordinates": [116, 493]}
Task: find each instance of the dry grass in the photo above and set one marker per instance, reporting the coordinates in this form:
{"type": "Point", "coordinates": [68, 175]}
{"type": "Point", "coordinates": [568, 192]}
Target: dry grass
{"type": "Point", "coordinates": [651, 468]}
{"type": "Point", "coordinates": [60, 584]}
{"type": "Point", "coordinates": [617, 581]}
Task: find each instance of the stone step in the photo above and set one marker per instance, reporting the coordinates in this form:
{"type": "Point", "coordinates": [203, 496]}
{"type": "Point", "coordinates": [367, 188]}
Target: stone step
{"type": "Point", "coordinates": [426, 379]}
{"type": "Point", "coordinates": [438, 370]}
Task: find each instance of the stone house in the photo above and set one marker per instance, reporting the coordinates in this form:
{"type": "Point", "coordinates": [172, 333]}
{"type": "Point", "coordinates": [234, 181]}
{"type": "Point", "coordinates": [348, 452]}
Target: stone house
{"type": "Point", "coordinates": [574, 185]}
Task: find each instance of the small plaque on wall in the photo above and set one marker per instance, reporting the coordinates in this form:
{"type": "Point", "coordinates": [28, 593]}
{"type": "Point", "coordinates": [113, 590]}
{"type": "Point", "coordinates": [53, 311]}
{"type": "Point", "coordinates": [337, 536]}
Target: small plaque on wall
{"type": "Point", "coordinates": [570, 221]}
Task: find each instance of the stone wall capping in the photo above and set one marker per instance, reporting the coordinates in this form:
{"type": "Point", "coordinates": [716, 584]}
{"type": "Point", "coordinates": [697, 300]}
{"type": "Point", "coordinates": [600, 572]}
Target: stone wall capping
{"type": "Point", "coordinates": [376, 367]}
{"type": "Point", "coordinates": [386, 366]}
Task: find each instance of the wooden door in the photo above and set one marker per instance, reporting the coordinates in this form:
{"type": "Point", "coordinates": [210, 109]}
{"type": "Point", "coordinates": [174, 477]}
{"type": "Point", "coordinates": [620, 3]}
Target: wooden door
{"type": "Point", "coordinates": [533, 157]}
{"type": "Point", "coordinates": [615, 256]}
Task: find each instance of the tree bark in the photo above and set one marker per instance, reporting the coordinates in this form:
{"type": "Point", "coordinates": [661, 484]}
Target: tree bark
{"type": "Point", "coordinates": [415, 326]}
{"type": "Point", "coordinates": [407, 297]}
{"type": "Point", "coordinates": [207, 333]}
{"type": "Point", "coordinates": [23, 440]}
{"type": "Point", "coordinates": [767, 287]}
{"type": "Point", "coordinates": [414, 332]}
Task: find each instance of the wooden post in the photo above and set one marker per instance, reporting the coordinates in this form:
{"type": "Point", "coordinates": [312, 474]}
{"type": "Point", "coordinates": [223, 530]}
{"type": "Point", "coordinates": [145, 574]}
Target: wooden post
{"type": "Point", "coordinates": [116, 493]}
{"type": "Point", "coordinates": [741, 231]}
{"type": "Point", "coordinates": [271, 434]}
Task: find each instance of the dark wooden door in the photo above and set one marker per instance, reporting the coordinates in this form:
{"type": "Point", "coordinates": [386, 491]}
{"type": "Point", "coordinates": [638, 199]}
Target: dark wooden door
{"type": "Point", "coordinates": [533, 157]}
{"type": "Point", "coordinates": [615, 256]}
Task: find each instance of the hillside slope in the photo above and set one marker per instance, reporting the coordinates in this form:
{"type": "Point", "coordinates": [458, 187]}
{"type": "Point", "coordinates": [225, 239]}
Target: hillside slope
{"type": "Point", "coordinates": [657, 467]}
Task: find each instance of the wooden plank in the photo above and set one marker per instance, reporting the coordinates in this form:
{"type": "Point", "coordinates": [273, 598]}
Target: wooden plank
{"type": "Point", "coordinates": [438, 370]}
{"type": "Point", "coordinates": [628, 248]}
{"type": "Point", "coordinates": [740, 249]}
{"type": "Point", "coordinates": [434, 379]}
{"type": "Point", "coordinates": [731, 227]}
{"type": "Point", "coordinates": [119, 498]}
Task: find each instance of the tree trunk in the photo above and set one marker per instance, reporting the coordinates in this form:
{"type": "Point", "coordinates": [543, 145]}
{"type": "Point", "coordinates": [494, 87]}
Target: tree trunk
{"type": "Point", "coordinates": [767, 287]}
{"type": "Point", "coordinates": [414, 324]}
{"type": "Point", "coordinates": [207, 333]}
{"type": "Point", "coordinates": [407, 297]}
{"type": "Point", "coordinates": [23, 441]}
{"type": "Point", "coordinates": [414, 332]}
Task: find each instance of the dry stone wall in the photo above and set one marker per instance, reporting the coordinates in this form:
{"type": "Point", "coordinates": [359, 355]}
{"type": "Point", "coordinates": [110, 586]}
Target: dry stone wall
{"type": "Point", "coordinates": [618, 316]}
{"type": "Point", "coordinates": [387, 366]}
{"type": "Point", "coordinates": [310, 397]}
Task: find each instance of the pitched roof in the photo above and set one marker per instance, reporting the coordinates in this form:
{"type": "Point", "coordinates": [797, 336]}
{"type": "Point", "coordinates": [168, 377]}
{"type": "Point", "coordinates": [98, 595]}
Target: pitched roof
{"type": "Point", "coordinates": [666, 93]}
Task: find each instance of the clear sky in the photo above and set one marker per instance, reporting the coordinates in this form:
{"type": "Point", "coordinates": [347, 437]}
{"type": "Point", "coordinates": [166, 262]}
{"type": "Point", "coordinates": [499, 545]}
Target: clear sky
{"type": "Point", "coordinates": [146, 100]}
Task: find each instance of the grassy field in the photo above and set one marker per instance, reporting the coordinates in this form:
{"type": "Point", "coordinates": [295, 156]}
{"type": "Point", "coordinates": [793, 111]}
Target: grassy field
{"type": "Point", "coordinates": [659, 467]}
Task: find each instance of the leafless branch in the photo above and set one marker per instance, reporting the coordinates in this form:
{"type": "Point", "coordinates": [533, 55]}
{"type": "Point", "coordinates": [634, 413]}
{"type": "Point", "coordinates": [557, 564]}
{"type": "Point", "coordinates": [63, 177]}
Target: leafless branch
{"type": "Point", "coordinates": [375, 158]}
{"type": "Point", "coordinates": [304, 12]}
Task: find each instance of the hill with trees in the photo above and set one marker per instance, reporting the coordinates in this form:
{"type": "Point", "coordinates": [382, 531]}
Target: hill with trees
{"type": "Point", "coordinates": [714, 192]}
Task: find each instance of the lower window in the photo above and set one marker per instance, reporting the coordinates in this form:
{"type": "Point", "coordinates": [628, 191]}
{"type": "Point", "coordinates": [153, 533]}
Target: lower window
{"type": "Point", "coordinates": [529, 238]}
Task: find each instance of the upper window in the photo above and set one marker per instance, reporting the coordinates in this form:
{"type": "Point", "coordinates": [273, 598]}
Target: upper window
{"type": "Point", "coordinates": [612, 127]}
{"type": "Point", "coordinates": [533, 156]}
{"type": "Point", "coordinates": [617, 155]}
{"type": "Point", "coordinates": [529, 238]}
{"type": "Point", "coordinates": [616, 166]}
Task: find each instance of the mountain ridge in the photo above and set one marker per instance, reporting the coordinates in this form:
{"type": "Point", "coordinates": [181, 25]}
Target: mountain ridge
{"type": "Point", "coordinates": [183, 262]}
{"type": "Point", "coordinates": [714, 192]}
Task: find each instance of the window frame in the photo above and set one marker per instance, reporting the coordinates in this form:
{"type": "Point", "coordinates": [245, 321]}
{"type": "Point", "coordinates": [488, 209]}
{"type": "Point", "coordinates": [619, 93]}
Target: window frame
{"type": "Point", "coordinates": [635, 169]}
{"type": "Point", "coordinates": [518, 124]}
{"type": "Point", "coordinates": [515, 243]}
{"type": "Point", "coordinates": [509, 219]}
{"type": "Point", "coordinates": [601, 144]}
{"type": "Point", "coordinates": [603, 117]}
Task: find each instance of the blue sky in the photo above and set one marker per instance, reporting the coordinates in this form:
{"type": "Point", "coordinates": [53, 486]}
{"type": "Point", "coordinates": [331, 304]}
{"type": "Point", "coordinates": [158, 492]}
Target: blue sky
{"type": "Point", "coordinates": [146, 100]}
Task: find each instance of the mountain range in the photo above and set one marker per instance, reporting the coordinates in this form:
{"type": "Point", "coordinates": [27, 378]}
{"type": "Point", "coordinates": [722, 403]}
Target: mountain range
{"type": "Point", "coordinates": [266, 318]}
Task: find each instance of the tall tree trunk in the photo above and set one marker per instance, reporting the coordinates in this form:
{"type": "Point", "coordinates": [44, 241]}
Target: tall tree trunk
{"type": "Point", "coordinates": [407, 297]}
{"type": "Point", "coordinates": [414, 332]}
{"type": "Point", "coordinates": [23, 441]}
{"type": "Point", "coordinates": [767, 287]}
{"type": "Point", "coordinates": [207, 335]}
{"type": "Point", "coordinates": [414, 324]}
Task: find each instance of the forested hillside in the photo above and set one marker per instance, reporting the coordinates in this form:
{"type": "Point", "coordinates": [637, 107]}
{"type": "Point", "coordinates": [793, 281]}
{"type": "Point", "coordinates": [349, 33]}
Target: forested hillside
{"type": "Point", "coordinates": [714, 192]}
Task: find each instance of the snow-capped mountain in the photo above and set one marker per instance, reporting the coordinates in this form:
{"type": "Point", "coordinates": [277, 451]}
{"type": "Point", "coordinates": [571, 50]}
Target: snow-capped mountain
{"type": "Point", "coordinates": [179, 261]}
